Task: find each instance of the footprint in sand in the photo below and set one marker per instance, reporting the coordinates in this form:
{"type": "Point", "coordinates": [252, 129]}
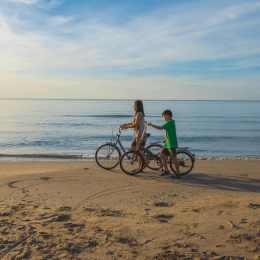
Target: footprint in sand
{"type": "Point", "coordinates": [163, 217]}
{"type": "Point", "coordinates": [231, 224]}
{"type": "Point", "coordinates": [253, 206]}
{"type": "Point", "coordinates": [221, 227]}
{"type": "Point", "coordinates": [5, 214]}
{"type": "Point", "coordinates": [219, 246]}
{"type": "Point", "coordinates": [243, 221]}
{"type": "Point", "coordinates": [66, 208]}
{"type": "Point", "coordinates": [62, 217]}
{"type": "Point", "coordinates": [45, 178]}
{"type": "Point", "coordinates": [126, 240]}
{"type": "Point", "coordinates": [160, 204]}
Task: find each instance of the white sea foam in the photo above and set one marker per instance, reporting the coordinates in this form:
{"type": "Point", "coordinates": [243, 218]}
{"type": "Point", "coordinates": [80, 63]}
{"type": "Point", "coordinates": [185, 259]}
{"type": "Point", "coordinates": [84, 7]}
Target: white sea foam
{"type": "Point", "coordinates": [91, 157]}
{"type": "Point", "coordinates": [242, 157]}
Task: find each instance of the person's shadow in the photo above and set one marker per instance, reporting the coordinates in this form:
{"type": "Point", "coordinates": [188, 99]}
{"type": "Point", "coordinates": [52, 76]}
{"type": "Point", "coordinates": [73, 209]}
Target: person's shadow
{"type": "Point", "coordinates": [228, 183]}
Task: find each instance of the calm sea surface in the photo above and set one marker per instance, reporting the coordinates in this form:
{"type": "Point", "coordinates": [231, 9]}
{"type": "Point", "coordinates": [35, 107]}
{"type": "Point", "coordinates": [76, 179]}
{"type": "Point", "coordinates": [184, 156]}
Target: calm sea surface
{"type": "Point", "coordinates": [78, 127]}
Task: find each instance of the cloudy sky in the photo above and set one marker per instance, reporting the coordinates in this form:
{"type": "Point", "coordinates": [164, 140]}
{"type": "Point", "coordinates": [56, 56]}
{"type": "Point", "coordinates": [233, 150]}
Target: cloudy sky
{"type": "Point", "coordinates": [143, 49]}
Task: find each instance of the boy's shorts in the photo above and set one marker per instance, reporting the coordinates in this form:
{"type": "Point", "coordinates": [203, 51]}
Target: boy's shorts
{"type": "Point", "coordinates": [169, 152]}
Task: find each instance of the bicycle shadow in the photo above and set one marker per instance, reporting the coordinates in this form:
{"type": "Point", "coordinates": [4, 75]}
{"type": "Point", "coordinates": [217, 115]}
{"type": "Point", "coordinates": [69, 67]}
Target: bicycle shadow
{"type": "Point", "coordinates": [204, 180]}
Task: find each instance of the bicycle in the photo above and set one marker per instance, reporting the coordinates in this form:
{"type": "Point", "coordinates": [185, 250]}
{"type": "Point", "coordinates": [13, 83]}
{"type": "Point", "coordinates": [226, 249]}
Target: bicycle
{"type": "Point", "coordinates": [132, 162]}
{"type": "Point", "coordinates": [108, 155]}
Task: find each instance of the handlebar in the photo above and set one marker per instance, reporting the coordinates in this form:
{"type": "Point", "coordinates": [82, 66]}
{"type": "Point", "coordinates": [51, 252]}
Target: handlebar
{"type": "Point", "coordinates": [120, 128]}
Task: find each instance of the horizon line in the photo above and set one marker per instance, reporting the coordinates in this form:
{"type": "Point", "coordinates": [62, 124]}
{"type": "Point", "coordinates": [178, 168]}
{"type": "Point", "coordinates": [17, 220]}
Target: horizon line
{"type": "Point", "coordinates": [129, 99]}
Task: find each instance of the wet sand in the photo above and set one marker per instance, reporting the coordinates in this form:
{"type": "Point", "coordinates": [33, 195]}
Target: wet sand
{"type": "Point", "coordinates": [76, 210]}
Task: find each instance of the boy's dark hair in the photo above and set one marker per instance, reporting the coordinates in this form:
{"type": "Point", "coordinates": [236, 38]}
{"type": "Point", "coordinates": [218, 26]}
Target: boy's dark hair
{"type": "Point", "coordinates": [167, 112]}
{"type": "Point", "coordinates": [140, 107]}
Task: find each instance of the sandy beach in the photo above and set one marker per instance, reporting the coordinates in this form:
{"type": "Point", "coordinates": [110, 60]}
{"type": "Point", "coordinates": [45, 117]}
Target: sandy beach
{"type": "Point", "coordinates": [76, 210]}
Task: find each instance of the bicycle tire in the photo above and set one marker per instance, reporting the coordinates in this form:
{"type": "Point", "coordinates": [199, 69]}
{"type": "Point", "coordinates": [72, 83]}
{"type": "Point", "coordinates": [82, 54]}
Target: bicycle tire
{"type": "Point", "coordinates": [104, 159]}
{"type": "Point", "coordinates": [186, 162]}
{"type": "Point", "coordinates": [153, 164]}
{"type": "Point", "coordinates": [130, 161]}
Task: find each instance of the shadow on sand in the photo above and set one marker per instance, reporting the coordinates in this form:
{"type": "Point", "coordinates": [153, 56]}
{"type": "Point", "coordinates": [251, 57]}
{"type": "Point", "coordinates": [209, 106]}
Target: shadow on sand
{"type": "Point", "coordinates": [228, 183]}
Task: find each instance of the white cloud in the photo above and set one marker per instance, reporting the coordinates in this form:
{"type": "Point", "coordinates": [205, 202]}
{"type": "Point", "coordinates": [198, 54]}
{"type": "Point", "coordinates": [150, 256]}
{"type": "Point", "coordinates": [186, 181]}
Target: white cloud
{"type": "Point", "coordinates": [28, 2]}
{"type": "Point", "coordinates": [144, 42]}
{"type": "Point", "coordinates": [183, 35]}
{"type": "Point", "coordinates": [122, 87]}
{"type": "Point", "coordinates": [233, 12]}
{"type": "Point", "coordinates": [58, 20]}
{"type": "Point", "coordinates": [44, 4]}
{"type": "Point", "coordinates": [50, 4]}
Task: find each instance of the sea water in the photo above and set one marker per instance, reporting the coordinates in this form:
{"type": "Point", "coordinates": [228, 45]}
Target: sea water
{"type": "Point", "coordinates": [72, 129]}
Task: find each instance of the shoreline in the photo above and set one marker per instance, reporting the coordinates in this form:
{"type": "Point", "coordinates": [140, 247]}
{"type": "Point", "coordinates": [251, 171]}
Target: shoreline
{"type": "Point", "coordinates": [57, 157]}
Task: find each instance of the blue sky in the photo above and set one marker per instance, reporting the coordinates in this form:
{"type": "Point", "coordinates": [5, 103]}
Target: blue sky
{"type": "Point", "coordinates": [130, 49]}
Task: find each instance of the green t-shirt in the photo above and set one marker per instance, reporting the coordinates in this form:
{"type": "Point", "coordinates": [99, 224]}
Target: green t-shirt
{"type": "Point", "coordinates": [171, 138]}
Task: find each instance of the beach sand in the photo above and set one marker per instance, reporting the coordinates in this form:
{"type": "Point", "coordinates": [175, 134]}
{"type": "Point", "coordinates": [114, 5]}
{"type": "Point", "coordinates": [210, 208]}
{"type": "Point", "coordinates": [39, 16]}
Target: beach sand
{"type": "Point", "coordinates": [76, 210]}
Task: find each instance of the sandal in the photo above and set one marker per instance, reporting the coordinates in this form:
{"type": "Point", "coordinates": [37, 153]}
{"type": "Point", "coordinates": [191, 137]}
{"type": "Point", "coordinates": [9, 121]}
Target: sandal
{"type": "Point", "coordinates": [165, 173]}
{"type": "Point", "coordinates": [178, 176]}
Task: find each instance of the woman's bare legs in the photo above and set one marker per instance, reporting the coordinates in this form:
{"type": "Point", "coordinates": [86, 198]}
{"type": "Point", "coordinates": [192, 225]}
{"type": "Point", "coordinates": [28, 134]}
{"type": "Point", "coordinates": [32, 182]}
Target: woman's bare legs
{"type": "Point", "coordinates": [146, 162]}
{"type": "Point", "coordinates": [132, 147]}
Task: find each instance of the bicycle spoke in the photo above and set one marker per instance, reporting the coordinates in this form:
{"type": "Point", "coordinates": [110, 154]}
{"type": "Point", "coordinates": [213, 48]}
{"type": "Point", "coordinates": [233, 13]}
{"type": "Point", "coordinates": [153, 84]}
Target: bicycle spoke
{"type": "Point", "coordinates": [155, 149]}
{"type": "Point", "coordinates": [131, 162]}
{"type": "Point", "coordinates": [107, 156]}
{"type": "Point", "coordinates": [185, 162]}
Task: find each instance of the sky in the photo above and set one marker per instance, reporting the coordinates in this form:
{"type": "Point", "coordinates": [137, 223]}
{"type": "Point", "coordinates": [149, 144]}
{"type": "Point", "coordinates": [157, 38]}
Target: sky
{"type": "Point", "coordinates": [143, 49]}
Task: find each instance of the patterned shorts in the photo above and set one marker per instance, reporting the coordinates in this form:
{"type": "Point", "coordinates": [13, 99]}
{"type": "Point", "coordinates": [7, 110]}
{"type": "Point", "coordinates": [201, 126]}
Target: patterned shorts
{"type": "Point", "coordinates": [136, 141]}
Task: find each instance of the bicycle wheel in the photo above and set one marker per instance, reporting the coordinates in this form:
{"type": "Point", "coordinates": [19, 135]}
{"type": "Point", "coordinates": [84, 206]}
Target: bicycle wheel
{"type": "Point", "coordinates": [155, 149]}
{"type": "Point", "coordinates": [131, 162]}
{"type": "Point", "coordinates": [107, 156]}
{"type": "Point", "coordinates": [185, 161]}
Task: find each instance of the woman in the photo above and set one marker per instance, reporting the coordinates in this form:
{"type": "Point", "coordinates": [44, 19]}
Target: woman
{"type": "Point", "coordinates": [138, 125]}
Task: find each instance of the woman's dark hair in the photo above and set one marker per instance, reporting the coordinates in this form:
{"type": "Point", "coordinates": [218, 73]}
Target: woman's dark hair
{"type": "Point", "coordinates": [167, 112]}
{"type": "Point", "coordinates": [140, 107]}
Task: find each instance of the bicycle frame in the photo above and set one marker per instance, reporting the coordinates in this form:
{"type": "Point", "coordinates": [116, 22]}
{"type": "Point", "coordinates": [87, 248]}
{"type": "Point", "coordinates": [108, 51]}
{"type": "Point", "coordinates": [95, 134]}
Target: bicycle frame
{"type": "Point", "coordinates": [185, 149]}
{"type": "Point", "coordinates": [156, 156]}
{"type": "Point", "coordinates": [147, 151]}
{"type": "Point", "coordinates": [119, 143]}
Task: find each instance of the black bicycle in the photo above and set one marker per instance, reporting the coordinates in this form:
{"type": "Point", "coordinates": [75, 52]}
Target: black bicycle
{"type": "Point", "coordinates": [132, 162]}
{"type": "Point", "coordinates": [108, 155]}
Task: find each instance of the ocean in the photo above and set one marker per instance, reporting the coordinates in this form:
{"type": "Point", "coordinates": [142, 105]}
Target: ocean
{"type": "Point", "coordinates": [73, 129]}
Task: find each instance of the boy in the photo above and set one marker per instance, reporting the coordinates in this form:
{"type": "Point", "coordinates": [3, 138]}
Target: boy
{"type": "Point", "coordinates": [171, 142]}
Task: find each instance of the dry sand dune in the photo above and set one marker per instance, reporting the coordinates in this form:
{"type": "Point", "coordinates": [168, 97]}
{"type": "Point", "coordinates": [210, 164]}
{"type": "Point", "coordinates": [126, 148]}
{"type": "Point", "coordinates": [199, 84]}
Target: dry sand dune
{"type": "Point", "coordinates": [76, 210]}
